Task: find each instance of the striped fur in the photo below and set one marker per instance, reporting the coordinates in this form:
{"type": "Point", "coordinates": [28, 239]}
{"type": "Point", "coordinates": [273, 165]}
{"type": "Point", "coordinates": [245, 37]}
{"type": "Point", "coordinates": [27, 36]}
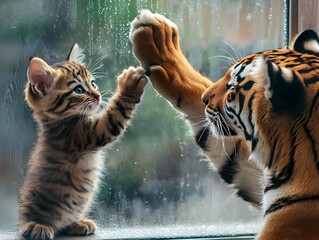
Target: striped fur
{"type": "Point", "coordinates": [67, 161]}
{"type": "Point", "coordinates": [156, 45]}
{"type": "Point", "coordinates": [260, 131]}
{"type": "Point", "coordinates": [273, 106]}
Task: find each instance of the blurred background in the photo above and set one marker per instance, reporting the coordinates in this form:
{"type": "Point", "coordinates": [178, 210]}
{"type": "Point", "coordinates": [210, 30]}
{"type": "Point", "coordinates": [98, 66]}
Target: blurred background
{"type": "Point", "coordinates": [155, 176]}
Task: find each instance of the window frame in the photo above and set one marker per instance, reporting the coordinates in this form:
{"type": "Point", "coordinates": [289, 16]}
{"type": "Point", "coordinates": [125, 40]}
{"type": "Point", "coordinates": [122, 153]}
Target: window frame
{"type": "Point", "coordinates": [298, 16]}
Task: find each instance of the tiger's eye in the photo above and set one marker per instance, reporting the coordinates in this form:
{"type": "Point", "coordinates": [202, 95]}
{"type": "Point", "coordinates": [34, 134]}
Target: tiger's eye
{"type": "Point", "coordinates": [231, 96]}
{"type": "Point", "coordinates": [230, 86]}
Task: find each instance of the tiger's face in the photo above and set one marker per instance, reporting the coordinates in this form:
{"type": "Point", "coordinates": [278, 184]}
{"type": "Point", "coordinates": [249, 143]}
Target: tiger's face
{"type": "Point", "coordinates": [269, 99]}
{"type": "Point", "coordinates": [63, 90]}
{"type": "Point", "coordinates": [253, 88]}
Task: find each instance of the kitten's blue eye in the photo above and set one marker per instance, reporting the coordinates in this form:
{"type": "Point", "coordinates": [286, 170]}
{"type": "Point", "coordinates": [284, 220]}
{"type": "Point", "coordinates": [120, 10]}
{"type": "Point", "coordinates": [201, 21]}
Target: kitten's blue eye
{"type": "Point", "coordinates": [79, 90]}
{"type": "Point", "coordinates": [94, 85]}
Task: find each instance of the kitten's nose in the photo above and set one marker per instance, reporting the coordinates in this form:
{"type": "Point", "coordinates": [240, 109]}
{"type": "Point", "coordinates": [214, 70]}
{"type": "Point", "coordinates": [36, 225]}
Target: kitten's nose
{"type": "Point", "coordinates": [97, 96]}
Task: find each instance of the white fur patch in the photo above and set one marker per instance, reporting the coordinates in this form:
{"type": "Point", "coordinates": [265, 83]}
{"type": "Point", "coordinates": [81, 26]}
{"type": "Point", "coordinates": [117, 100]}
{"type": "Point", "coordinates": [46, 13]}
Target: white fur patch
{"type": "Point", "coordinates": [146, 17]}
{"type": "Point", "coordinates": [260, 70]}
{"type": "Point", "coordinates": [287, 75]}
{"type": "Point", "coordinates": [235, 73]}
{"type": "Point", "coordinates": [311, 45]}
{"type": "Point", "coordinates": [246, 70]}
{"type": "Point", "coordinates": [272, 195]}
{"type": "Point", "coordinates": [260, 73]}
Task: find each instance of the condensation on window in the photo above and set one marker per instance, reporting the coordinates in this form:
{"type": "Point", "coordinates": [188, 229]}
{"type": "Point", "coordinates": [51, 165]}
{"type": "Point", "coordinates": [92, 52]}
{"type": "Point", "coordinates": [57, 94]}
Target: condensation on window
{"type": "Point", "coordinates": [155, 177]}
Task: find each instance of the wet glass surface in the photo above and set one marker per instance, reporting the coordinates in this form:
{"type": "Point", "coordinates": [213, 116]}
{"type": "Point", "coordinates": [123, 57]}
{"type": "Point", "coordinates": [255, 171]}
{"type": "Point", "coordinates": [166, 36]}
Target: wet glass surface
{"type": "Point", "coordinates": [154, 176]}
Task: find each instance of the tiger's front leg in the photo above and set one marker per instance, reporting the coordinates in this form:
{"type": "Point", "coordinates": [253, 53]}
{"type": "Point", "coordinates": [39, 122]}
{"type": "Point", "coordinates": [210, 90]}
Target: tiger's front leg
{"type": "Point", "coordinates": [156, 45]}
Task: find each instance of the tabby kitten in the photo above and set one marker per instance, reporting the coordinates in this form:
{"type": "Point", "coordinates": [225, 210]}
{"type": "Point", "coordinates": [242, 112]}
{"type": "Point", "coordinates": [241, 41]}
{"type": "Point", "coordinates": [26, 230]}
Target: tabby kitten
{"type": "Point", "coordinates": [66, 162]}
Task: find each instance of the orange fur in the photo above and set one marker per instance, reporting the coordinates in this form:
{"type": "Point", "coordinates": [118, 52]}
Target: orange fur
{"type": "Point", "coordinates": [268, 153]}
{"type": "Point", "coordinates": [157, 49]}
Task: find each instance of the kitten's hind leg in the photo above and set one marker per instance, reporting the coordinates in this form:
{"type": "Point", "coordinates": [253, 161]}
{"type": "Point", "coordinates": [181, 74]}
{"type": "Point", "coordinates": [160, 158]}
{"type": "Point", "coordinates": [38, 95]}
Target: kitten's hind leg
{"type": "Point", "coordinates": [82, 228]}
{"type": "Point", "coordinates": [34, 231]}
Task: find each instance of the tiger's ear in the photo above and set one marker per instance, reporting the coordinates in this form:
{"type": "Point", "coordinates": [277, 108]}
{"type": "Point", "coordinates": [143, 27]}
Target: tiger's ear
{"type": "Point", "coordinates": [40, 76]}
{"type": "Point", "coordinates": [282, 87]}
{"type": "Point", "coordinates": [76, 54]}
{"type": "Point", "coordinates": [306, 42]}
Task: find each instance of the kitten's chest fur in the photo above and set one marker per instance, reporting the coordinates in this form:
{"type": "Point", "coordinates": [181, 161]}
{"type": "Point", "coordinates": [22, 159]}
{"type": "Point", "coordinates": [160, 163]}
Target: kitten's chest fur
{"type": "Point", "coordinates": [61, 161]}
{"type": "Point", "coordinates": [88, 169]}
{"type": "Point", "coordinates": [63, 146]}
{"type": "Point", "coordinates": [71, 177]}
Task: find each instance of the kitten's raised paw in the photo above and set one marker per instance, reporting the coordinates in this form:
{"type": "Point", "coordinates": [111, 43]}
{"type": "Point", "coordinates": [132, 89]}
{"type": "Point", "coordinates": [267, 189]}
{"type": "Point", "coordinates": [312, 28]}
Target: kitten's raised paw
{"type": "Point", "coordinates": [132, 81]}
{"type": "Point", "coordinates": [34, 231]}
{"type": "Point", "coordinates": [82, 228]}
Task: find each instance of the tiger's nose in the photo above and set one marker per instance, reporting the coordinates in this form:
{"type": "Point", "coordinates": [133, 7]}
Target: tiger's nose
{"type": "Point", "coordinates": [205, 101]}
{"type": "Point", "coordinates": [206, 96]}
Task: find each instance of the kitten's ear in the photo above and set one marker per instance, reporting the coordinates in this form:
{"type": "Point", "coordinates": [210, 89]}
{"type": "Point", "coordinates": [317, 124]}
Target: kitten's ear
{"type": "Point", "coordinates": [76, 54]}
{"type": "Point", "coordinates": [40, 76]}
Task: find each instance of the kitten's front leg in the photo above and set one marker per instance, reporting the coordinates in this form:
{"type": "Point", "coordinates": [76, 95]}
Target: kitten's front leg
{"type": "Point", "coordinates": [32, 230]}
{"type": "Point", "coordinates": [114, 119]}
{"type": "Point", "coordinates": [131, 83]}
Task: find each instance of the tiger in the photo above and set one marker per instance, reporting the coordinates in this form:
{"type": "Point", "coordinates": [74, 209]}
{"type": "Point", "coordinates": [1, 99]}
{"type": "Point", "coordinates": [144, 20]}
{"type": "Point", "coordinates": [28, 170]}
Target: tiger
{"type": "Point", "coordinates": [67, 160]}
{"type": "Point", "coordinates": [260, 132]}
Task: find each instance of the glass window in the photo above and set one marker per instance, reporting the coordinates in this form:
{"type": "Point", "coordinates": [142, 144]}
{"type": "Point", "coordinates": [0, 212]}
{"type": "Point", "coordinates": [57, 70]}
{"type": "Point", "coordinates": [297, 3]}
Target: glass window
{"type": "Point", "coordinates": [156, 183]}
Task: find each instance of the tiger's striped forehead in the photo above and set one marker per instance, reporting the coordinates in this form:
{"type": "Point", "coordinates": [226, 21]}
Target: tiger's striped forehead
{"type": "Point", "coordinates": [306, 65]}
{"type": "Point", "coordinates": [239, 72]}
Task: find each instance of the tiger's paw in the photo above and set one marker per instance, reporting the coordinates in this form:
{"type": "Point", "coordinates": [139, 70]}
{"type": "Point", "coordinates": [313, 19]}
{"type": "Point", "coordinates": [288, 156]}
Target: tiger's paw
{"type": "Point", "coordinates": [155, 39]}
{"type": "Point", "coordinates": [34, 231]}
{"type": "Point", "coordinates": [155, 42]}
{"type": "Point", "coordinates": [131, 83]}
{"type": "Point", "coordinates": [82, 228]}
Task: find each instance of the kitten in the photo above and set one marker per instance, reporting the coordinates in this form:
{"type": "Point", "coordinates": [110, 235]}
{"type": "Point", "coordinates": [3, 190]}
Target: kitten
{"type": "Point", "coordinates": [66, 162]}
